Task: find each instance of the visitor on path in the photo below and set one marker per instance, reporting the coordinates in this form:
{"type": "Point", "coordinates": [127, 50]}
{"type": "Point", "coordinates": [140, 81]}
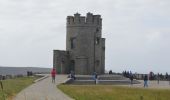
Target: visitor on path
{"type": "Point", "coordinates": [146, 81]}
{"type": "Point", "coordinates": [169, 79]}
{"type": "Point", "coordinates": [166, 76]}
{"type": "Point", "coordinates": [158, 78]}
{"type": "Point", "coordinates": [53, 73]}
{"type": "Point", "coordinates": [95, 77]}
{"type": "Point", "coordinates": [131, 79]}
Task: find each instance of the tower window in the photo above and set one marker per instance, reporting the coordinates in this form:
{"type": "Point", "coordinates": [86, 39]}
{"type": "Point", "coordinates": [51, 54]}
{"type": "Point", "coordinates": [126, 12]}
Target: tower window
{"type": "Point", "coordinates": [97, 62]}
{"type": "Point", "coordinates": [62, 60]}
{"type": "Point", "coordinates": [73, 40]}
{"type": "Point", "coordinates": [97, 29]}
{"type": "Point", "coordinates": [97, 40]}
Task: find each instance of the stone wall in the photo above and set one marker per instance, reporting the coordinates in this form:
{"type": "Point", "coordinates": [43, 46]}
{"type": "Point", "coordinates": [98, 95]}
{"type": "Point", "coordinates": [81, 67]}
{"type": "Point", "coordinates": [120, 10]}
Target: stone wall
{"type": "Point", "coordinates": [61, 61]}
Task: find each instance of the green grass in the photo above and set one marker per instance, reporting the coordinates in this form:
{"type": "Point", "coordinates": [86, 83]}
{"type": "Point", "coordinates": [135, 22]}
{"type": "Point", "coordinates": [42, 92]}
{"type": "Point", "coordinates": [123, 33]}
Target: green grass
{"type": "Point", "coordinates": [14, 86]}
{"type": "Point", "coordinates": [108, 92]}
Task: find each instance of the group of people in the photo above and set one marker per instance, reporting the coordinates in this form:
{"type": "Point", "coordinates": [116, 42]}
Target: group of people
{"type": "Point", "coordinates": [53, 74]}
{"type": "Point", "coordinates": [72, 75]}
{"type": "Point", "coordinates": [127, 74]}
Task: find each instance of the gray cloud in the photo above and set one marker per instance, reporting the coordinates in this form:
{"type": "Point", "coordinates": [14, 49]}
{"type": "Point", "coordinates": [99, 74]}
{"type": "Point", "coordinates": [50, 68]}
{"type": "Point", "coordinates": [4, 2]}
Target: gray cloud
{"type": "Point", "coordinates": [136, 32]}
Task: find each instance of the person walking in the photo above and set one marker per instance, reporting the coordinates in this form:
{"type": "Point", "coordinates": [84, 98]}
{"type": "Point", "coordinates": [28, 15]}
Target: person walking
{"type": "Point", "coordinates": [53, 74]}
{"type": "Point", "coordinates": [131, 79]}
{"type": "Point", "coordinates": [146, 81]}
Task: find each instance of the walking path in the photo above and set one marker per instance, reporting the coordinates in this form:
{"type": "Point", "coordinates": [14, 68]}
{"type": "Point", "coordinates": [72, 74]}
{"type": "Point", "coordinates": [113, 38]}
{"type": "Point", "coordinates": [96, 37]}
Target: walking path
{"type": "Point", "coordinates": [44, 90]}
{"type": "Point", "coordinates": [152, 84]}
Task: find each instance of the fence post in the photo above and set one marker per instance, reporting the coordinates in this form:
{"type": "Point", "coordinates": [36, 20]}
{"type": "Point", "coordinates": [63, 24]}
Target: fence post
{"type": "Point", "coordinates": [2, 89]}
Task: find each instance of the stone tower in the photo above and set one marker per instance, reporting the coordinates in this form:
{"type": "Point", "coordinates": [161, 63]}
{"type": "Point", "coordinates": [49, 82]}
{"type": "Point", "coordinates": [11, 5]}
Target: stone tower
{"type": "Point", "coordinates": [85, 47]}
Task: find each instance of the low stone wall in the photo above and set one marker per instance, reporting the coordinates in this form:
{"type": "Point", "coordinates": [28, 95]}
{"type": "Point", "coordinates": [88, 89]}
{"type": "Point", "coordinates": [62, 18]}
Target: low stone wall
{"type": "Point", "coordinates": [102, 79]}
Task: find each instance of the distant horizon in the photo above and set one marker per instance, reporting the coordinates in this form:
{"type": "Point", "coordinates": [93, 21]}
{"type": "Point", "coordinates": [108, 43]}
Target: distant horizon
{"type": "Point", "coordinates": [22, 70]}
{"type": "Point", "coordinates": [105, 70]}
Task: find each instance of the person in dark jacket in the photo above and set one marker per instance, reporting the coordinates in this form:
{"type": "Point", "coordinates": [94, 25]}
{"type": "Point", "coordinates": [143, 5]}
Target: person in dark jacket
{"type": "Point", "coordinates": [131, 79]}
{"type": "Point", "coordinates": [72, 75]}
{"type": "Point", "coordinates": [146, 81]}
{"type": "Point", "coordinates": [95, 77]}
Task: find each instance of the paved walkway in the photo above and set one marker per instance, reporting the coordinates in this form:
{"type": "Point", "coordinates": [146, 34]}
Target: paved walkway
{"type": "Point", "coordinates": [152, 84]}
{"type": "Point", "coordinates": [44, 90]}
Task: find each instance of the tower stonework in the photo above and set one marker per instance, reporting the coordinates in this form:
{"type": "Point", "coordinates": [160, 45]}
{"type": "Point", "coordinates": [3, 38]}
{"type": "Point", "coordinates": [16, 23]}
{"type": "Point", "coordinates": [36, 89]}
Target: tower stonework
{"type": "Point", "coordinates": [85, 47]}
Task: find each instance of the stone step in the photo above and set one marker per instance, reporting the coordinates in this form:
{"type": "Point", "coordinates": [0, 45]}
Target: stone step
{"type": "Point", "coordinates": [84, 78]}
{"type": "Point", "coordinates": [103, 82]}
{"type": "Point", "coordinates": [100, 77]}
{"type": "Point", "coordinates": [117, 82]}
{"type": "Point", "coordinates": [111, 77]}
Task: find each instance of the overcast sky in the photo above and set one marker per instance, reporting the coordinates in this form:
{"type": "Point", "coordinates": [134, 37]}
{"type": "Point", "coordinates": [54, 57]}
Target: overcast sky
{"type": "Point", "coordinates": [137, 32]}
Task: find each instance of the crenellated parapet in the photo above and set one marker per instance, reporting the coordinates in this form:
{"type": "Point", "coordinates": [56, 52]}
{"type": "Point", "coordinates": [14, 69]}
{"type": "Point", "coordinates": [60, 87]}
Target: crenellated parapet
{"type": "Point", "coordinates": [89, 19]}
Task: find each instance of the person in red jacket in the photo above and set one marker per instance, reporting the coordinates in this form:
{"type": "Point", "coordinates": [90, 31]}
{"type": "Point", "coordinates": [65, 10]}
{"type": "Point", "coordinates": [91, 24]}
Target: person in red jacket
{"type": "Point", "coordinates": [53, 73]}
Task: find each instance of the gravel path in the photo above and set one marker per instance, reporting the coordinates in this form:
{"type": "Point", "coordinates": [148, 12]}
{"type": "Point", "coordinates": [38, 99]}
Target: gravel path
{"type": "Point", "coordinates": [44, 90]}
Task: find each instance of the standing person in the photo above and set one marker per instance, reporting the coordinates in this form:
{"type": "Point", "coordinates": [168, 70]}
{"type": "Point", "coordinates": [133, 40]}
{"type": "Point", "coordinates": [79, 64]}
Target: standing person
{"type": "Point", "coordinates": [166, 76]}
{"type": "Point", "coordinates": [131, 79]}
{"type": "Point", "coordinates": [95, 77]}
{"type": "Point", "coordinates": [158, 78]}
{"type": "Point", "coordinates": [146, 81]}
{"type": "Point", "coordinates": [169, 79]}
{"type": "Point", "coordinates": [53, 73]}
